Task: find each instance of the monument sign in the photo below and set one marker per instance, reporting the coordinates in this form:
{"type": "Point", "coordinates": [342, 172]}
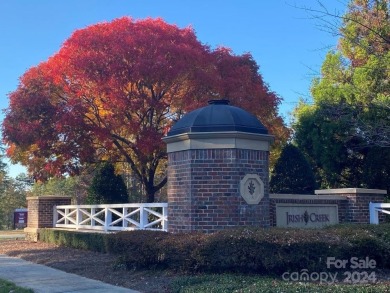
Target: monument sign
{"type": "Point", "coordinates": [306, 216]}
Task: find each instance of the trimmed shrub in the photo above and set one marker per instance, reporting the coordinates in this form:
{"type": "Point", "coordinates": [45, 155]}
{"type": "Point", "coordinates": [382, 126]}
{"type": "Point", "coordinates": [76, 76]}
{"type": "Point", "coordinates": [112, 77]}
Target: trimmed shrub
{"type": "Point", "coordinates": [87, 241]}
{"type": "Point", "coordinates": [266, 251]}
{"type": "Point", "coordinates": [180, 252]}
{"type": "Point", "coordinates": [138, 249]}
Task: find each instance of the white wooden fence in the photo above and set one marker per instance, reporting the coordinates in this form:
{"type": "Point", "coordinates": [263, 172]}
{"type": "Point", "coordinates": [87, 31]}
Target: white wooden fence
{"type": "Point", "coordinates": [375, 208]}
{"type": "Point", "coordinates": [113, 217]}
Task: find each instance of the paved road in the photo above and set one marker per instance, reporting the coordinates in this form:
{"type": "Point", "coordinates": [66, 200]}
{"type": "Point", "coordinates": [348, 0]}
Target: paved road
{"type": "Point", "coordinates": [12, 235]}
{"type": "Point", "coordinates": [43, 279]}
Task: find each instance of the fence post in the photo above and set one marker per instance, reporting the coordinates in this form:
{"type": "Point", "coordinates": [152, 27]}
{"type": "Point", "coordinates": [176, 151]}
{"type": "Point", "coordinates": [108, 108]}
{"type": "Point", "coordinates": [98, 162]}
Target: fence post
{"type": "Point", "coordinates": [108, 218]}
{"type": "Point", "coordinates": [55, 216]}
{"type": "Point", "coordinates": [124, 222]}
{"type": "Point", "coordinates": [165, 218]}
{"type": "Point", "coordinates": [66, 211]}
{"type": "Point", "coordinates": [93, 211]}
{"type": "Point", "coordinates": [79, 217]}
{"type": "Point", "coordinates": [374, 214]}
{"type": "Point", "coordinates": [143, 217]}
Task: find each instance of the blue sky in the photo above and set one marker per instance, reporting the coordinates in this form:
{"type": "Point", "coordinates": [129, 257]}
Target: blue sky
{"type": "Point", "coordinates": [287, 45]}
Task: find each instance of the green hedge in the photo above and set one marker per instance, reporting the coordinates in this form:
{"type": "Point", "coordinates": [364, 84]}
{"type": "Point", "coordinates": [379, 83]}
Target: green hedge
{"type": "Point", "coordinates": [80, 240]}
{"type": "Point", "coordinates": [270, 251]}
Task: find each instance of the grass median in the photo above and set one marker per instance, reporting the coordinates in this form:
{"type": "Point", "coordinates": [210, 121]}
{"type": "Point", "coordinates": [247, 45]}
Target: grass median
{"type": "Point", "coordinates": [252, 284]}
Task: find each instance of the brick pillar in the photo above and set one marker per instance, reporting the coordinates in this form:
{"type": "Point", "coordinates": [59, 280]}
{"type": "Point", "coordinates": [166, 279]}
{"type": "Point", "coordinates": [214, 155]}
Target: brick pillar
{"type": "Point", "coordinates": [206, 175]}
{"type": "Point", "coordinates": [40, 213]}
{"type": "Point", "coordinates": [217, 170]}
{"type": "Point", "coordinates": [204, 189]}
{"type": "Point", "coordinates": [358, 199]}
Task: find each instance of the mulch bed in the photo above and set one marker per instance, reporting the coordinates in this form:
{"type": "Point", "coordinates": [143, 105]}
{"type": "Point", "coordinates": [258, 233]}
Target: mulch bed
{"type": "Point", "coordinates": [88, 264]}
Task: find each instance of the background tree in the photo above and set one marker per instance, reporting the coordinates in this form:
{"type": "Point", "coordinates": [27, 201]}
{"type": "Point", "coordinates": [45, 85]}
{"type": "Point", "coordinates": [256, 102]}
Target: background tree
{"type": "Point", "coordinates": [3, 169]}
{"type": "Point", "coordinates": [24, 181]}
{"type": "Point", "coordinates": [12, 195]}
{"type": "Point", "coordinates": [347, 126]}
{"type": "Point", "coordinates": [107, 187]}
{"type": "Point", "coordinates": [292, 173]}
{"type": "Point", "coordinates": [364, 18]}
{"type": "Point", "coordinates": [113, 91]}
{"type": "Point", "coordinates": [74, 186]}
{"type": "Point", "coordinates": [377, 169]}
{"type": "Point", "coordinates": [364, 42]}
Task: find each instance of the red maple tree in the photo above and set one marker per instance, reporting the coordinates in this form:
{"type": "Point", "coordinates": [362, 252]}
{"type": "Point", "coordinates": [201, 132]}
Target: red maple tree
{"type": "Point", "coordinates": [115, 88]}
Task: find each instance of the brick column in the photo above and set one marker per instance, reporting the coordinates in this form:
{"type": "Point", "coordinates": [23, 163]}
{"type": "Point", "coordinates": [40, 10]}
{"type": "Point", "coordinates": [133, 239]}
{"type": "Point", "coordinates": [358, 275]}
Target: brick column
{"type": "Point", "coordinates": [40, 213]}
{"type": "Point", "coordinates": [217, 170]}
{"type": "Point", "coordinates": [204, 189]}
{"type": "Point", "coordinates": [204, 181]}
{"type": "Point", "coordinates": [358, 199]}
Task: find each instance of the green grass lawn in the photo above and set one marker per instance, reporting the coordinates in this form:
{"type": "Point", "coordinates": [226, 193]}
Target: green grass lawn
{"type": "Point", "coordinates": [233, 283]}
{"type": "Point", "coordinates": [7, 287]}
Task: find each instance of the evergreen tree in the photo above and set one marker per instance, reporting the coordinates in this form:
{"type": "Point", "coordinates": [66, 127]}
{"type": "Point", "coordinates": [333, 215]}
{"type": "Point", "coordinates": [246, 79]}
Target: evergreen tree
{"type": "Point", "coordinates": [292, 173]}
{"type": "Point", "coordinates": [107, 187]}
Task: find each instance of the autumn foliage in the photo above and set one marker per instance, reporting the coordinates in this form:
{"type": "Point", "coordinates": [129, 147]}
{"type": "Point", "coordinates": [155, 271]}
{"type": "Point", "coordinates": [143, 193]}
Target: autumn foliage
{"type": "Point", "coordinates": [113, 91]}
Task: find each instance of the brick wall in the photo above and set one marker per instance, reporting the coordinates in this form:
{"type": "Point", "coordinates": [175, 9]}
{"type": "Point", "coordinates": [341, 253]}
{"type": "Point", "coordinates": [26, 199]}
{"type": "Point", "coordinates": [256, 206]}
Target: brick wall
{"type": "Point", "coordinates": [353, 203]}
{"type": "Point", "coordinates": [40, 210]}
{"type": "Point", "coordinates": [358, 199]}
{"type": "Point", "coordinates": [204, 189]}
{"type": "Point", "coordinates": [358, 211]}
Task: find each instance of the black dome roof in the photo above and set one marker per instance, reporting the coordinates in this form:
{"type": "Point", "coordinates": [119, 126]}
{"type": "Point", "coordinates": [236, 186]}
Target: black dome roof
{"type": "Point", "coordinates": [218, 116]}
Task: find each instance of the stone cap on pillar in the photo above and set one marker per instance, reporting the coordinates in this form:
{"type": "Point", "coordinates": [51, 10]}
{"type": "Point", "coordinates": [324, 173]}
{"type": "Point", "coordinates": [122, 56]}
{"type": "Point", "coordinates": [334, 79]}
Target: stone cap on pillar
{"type": "Point", "coordinates": [43, 197]}
{"type": "Point", "coordinates": [350, 191]}
{"type": "Point", "coordinates": [216, 126]}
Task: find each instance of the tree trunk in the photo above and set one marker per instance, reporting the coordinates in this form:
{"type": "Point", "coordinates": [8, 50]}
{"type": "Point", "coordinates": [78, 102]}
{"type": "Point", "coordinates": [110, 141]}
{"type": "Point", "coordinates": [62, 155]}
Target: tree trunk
{"type": "Point", "coordinates": [151, 189]}
{"type": "Point", "coordinates": [150, 192]}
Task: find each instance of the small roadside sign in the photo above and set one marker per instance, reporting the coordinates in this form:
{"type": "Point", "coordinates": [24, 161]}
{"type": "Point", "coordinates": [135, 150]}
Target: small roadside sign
{"type": "Point", "coordinates": [20, 218]}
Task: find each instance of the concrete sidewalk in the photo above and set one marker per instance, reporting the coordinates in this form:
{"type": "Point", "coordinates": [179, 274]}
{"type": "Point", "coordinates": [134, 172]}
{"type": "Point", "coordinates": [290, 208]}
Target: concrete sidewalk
{"type": "Point", "coordinates": [43, 279]}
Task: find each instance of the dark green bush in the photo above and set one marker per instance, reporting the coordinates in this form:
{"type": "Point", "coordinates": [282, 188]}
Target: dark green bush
{"type": "Point", "coordinates": [180, 251]}
{"type": "Point", "coordinates": [138, 249]}
{"type": "Point", "coordinates": [265, 251]}
{"type": "Point", "coordinates": [80, 240]}
{"type": "Point", "coordinates": [270, 251]}
{"type": "Point", "coordinates": [231, 250]}
{"type": "Point", "coordinates": [363, 241]}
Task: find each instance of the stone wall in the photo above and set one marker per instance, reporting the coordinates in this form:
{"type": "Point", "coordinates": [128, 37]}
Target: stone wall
{"type": "Point", "coordinates": [204, 189]}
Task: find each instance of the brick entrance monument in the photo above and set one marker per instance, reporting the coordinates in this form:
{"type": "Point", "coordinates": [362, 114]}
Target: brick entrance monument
{"type": "Point", "coordinates": [218, 170]}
